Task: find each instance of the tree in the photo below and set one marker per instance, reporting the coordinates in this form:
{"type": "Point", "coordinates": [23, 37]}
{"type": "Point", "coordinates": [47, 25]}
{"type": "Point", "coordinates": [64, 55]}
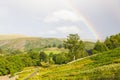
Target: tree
{"type": "Point", "coordinates": [74, 45]}
{"type": "Point", "coordinates": [113, 41]}
{"type": "Point", "coordinates": [60, 46]}
{"type": "Point", "coordinates": [100, 47]}
{"type": "Point", "coordinates": [54, 45]}
{"type": "Point", "coordinates": [43, 57]}
{"type": "Point", "coordinates": [60, 58]}
{"type": "Point", "coordinates": [33, 55]}
{"type": "Point", "coordinates": [108, 43]}
{"type": "Point", "coordinates": [3, 66]}
{"type": "Point", "coordinates": [51, 58]}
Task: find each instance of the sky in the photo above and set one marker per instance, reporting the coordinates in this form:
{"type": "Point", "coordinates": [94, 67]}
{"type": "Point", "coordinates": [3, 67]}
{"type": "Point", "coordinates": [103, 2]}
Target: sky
{"type": "Point", "coordinates": [91, 19]}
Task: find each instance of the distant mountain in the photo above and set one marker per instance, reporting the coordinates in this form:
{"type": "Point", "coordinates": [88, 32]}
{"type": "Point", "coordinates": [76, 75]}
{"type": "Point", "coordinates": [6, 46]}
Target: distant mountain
{"type": "Point", "coordinates": [28, 43]}
{"type": "Point", "coordinates": [23, 42]}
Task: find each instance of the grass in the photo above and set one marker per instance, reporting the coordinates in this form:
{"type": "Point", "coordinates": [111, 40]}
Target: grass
{"type": "Point", "coordinates": [54, 50]}
{"type": "Point", "coordinates": [25, 72]}
{"type": "Point", "coordinates": [103, 66]}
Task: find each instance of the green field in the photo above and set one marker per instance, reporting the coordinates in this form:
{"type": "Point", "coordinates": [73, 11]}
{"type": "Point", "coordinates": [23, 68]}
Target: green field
{"type": "Point", "coordinates": [54, 50]}
{"type": "Point", "coordinates": [103, 66]}
{"type": "Point", "coordinates": [26, 72]}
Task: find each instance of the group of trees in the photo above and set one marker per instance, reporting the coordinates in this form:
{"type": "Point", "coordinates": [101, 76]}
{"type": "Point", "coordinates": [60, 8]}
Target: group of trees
{"type": "Point", "coordinates": [12, 63]}
{"type": "Point", "coordinates": [76, 49]}
{"type": "Point", "coordinates": [54, 45]}
{"type": "Point", "coordinates": [111, 42]}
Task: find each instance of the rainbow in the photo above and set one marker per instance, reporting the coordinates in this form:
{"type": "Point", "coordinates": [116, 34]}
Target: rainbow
{"type": "Point", "coordinates": [91, 28]}
{"type": "Point", "coordinates": [85, 21]}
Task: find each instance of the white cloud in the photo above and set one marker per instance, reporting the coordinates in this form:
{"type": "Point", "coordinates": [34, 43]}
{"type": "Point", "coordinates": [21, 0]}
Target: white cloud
{"type": "Point", "coordinates": [64, 15]}
{"type": "Point", "coordinates": [68, 29]}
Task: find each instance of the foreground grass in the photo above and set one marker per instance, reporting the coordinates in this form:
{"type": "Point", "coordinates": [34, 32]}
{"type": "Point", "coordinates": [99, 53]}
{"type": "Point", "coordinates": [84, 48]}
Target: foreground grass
{"type": "Point", "coordinates": [26, 72]}
{"type": "Point", "coordinates": [103, 66]}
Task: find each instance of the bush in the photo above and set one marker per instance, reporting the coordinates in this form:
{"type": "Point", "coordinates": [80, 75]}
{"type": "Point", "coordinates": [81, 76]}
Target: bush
{"type": "Point", "coordinates": [60, 58]}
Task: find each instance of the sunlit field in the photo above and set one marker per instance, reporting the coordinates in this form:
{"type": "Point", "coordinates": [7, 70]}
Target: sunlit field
{"type": "Point", "coordinates": [101, 66]}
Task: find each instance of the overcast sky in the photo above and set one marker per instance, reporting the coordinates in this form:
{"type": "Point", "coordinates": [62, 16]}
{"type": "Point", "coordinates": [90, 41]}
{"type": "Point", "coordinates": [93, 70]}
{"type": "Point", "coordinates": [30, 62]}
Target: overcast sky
{"type": "Point", "coordinates": [58, 18]}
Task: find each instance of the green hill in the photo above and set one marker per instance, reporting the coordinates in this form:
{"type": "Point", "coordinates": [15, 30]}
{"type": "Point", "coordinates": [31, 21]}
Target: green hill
{"type": "Point", "coordinates": [21, 42]}
{"type": "Point", "coordinates": [29, 43]}
{"type": "Point", "coordinates": [101, 66]}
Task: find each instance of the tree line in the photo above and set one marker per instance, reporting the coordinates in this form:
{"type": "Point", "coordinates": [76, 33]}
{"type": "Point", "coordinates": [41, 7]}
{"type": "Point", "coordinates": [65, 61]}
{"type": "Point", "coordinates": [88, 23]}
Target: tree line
{"type": "Point", "coordinates": [110, 43]}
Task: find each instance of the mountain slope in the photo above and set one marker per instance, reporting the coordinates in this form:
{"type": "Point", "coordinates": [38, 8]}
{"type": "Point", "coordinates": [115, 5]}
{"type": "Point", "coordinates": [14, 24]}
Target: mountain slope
{"type": "Point", "coordinates": [102, 66]}
{"type": "Point", "coordinates": [29, 43]}
{"type": "Point", "coordinates": [22, 42]}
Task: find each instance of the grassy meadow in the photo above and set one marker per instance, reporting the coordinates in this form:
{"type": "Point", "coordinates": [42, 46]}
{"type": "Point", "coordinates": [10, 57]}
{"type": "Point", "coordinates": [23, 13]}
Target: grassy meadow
{"type": "Point", "coordinates": [103, 66]}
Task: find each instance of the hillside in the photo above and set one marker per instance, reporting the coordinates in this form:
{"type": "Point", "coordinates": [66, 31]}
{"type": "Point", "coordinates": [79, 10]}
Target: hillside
{"type": "Point", "coordinates": [21, 42]}
{"type": "Point", "coordinates": [29, 43]}
{"type": "Point", "coordinates": [89, 45]}
{"type": "Point", "coordinates": [102, 66]}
